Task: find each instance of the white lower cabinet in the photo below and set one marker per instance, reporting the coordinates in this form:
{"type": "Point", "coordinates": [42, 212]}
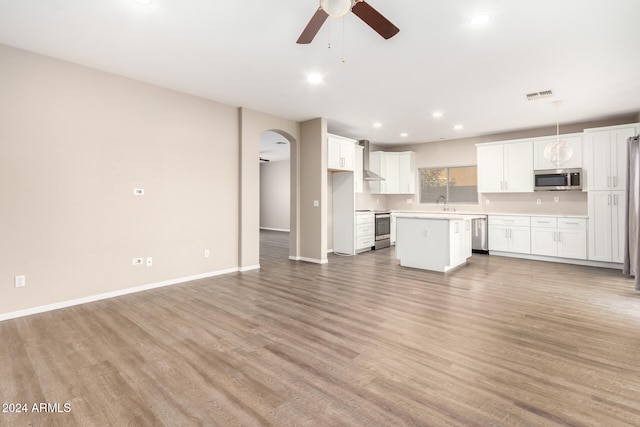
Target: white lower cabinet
{"type": "Point", "coordinates": [559, 237]}
{"type": "Point", "coordinates": [468, 249]}
{"type": "Point", "coordinates": [606, 226]}
{"type": "Point", "coordinates": [365, 231]}
{"type": "Point", "coordinates": [510, 234]}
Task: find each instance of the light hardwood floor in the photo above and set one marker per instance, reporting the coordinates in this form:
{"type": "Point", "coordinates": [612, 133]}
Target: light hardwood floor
{"type": "Point", "coordinates": [359, 342]}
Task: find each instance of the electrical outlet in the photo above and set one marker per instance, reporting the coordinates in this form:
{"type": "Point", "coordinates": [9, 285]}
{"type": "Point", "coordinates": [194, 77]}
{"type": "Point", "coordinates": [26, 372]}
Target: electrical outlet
{"type": "Point", "coordinates": [136, 261]}
{"type": "Point", "coordinates": [538, 202]}
{"type": "Point", "coordinates": [409, 201]}
{"type": "Point", "coordinates": [426, 232]}
{"type": "Point", "coordinates": [556, 199]}
{"type": "Point", "coordinates": [138, 191]}
{"type": "Point", "coordinates": [316, 203]}
{"type": "Point", "coordinates": [20, 281]}
{"type": "Point", "coordinates": [149, 261]}
{"type": "Point", "coordinates": [487, 201]}
{"type": "Point", "coordinates": [206, 253]}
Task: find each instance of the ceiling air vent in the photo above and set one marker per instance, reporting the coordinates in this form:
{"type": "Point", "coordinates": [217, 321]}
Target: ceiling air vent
{"type": "Point", "coordinates": [539, 95]}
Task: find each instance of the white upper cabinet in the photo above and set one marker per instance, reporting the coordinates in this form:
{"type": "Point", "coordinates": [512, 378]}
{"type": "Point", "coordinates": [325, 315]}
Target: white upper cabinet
{"type": "Point", "coordinates": [505, 167]}
{"type": "Point", "coordinates": [606, 156]}
{"type": "Point", "coordinates": [407, 173]}
{"type": "Point", "coordinates": [573, 152]}
{"type": "Point", "coordinates": [397, 169]}
{"type": "Point", "coordinates": [340, 153]}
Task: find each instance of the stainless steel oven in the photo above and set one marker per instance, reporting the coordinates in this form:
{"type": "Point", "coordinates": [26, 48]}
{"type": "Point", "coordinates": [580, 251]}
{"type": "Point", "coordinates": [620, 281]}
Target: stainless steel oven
{"type": "Point", "coordinates": [382, 229]}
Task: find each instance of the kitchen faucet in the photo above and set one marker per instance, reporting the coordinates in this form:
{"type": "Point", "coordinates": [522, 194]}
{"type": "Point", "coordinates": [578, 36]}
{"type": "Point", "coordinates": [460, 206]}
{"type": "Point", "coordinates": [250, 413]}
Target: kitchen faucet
{"type": "Point", "coordinates": [446, 208]}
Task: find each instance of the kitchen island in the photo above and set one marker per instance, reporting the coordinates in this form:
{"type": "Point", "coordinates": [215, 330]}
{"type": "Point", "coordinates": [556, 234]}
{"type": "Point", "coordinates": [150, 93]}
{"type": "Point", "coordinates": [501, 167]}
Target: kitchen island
{"type": "Point", "coordinates": [436, 242]}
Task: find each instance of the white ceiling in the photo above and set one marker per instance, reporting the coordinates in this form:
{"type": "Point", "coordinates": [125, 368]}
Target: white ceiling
{"type": "Point", "coordinates": [243, 53]}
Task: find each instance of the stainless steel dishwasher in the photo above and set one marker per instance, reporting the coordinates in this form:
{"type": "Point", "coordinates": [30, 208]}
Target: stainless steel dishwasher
{"type": "Point", "coordinates": [479, 236]}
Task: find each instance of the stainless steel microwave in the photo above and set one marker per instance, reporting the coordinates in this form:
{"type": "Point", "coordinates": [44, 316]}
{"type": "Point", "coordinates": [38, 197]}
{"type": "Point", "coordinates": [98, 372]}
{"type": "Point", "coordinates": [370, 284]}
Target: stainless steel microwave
{"type": "Point", "coordinates": [557, 179]}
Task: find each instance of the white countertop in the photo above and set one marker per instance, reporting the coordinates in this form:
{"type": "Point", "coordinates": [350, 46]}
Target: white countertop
{"type": "Point", "coordinates": [482, 214]}
{"type": "Point", "coordinates": [438, 215]}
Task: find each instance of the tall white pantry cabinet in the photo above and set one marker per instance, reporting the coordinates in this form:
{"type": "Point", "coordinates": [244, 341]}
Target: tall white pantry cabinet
{"type": "Point", "coordinates": [605, 157]}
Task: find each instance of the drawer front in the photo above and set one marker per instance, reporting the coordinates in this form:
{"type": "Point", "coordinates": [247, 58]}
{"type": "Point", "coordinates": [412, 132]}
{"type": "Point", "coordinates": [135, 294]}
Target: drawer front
{"type": "Point", "coordinates": [364, 242]}
{"type": "Point", "coordinates": [572, 223]}
{"type": "Point", "coordinates": [544, 221]}
{"type": "Point", "coordinates": [365, 219]}
{"type": "Point", "coordinates": [365, 230]}
{"type": "Point", "coordinates": [509, 220]}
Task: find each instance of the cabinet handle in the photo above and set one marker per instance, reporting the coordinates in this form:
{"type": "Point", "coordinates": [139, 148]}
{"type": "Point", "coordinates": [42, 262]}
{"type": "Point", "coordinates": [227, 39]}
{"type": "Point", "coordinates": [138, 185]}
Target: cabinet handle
{"type": "Point", "coordinates": [571, 223]}
{"type": "Point", "coordinates": [559, 237]}
{"type": "Point", "coordinates": [544, 222]}
{"type": "Point", "coordinates": [615, 200]}
{"type": "Point", "coordinates": [341, 161]}
{"type": "Point", "coordinates": [615, 181]}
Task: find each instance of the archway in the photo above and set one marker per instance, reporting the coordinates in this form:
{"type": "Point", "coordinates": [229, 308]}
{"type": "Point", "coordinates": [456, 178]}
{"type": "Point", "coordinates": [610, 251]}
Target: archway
{"type": "Point", "coordinates": [276, 189]}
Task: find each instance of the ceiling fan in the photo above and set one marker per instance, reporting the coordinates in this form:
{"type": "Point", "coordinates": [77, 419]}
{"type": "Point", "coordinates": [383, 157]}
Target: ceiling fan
{"type": "Point", "coordinates": [338, 8]}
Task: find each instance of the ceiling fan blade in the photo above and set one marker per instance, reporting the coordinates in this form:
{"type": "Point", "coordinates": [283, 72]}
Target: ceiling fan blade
{"type": "Point", "coordinates": [374, 19]}
{"type": "Point", "coordinates": [313, 26]}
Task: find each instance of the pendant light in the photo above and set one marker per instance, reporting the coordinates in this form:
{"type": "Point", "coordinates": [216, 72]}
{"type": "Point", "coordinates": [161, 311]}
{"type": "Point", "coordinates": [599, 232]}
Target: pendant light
{"type": "Point", "coordinates": [558, 151]}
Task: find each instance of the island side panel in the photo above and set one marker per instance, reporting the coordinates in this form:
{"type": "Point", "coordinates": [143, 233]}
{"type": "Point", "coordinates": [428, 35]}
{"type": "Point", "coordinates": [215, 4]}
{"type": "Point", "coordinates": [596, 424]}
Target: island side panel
{"type": "Point", "coordinates": [423, 243]}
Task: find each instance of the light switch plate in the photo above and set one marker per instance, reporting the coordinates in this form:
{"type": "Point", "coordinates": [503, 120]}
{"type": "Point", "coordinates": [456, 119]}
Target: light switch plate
{"type": "Point", "coordinates": [20, 281]}
{"type": "Point", "coordinates": [138, 191]}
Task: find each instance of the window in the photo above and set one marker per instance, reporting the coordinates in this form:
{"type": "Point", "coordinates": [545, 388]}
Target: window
{"type": "Point", "coordinates": [451, 185]}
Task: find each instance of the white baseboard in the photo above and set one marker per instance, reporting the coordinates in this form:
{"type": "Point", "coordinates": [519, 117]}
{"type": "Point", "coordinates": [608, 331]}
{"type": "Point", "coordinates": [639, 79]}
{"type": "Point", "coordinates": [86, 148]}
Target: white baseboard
{"type": "Point", "coordinates": [250, 267]}
{"type": "Point", "coordinates": [313, 260]}
{"type": "Point", "coordinates": [584, 262]}
{"type": "Point", "coordinates": [107, 295]}
{"type": "Point", "coordinates": [274, 229]}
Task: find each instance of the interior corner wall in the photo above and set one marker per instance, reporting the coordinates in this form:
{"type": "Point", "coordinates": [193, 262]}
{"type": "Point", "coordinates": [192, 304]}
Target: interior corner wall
{"type": "Point", "coordinates": [275, 179]}
{"type": "Point", "coordinates": [74, 144]}
{"type": "Point", "coordinates": [313, 187]}
{"type": "Point", "coordinates": [252, 125]}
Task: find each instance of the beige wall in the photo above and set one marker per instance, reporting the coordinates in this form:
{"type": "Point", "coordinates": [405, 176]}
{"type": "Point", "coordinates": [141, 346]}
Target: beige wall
{"type": "Point", "coordinates": [313, 187]}
{"type": "Point", "coordinates": [74, 143]}
{"type": "Point", "coordinates": [252, 125]}
{"type": "Point", "coordinates": [275, 183]}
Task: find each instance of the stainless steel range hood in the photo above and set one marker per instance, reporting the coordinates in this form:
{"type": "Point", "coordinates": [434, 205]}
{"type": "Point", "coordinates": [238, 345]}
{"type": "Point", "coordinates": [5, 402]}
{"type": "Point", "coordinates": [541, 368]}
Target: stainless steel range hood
{"type": "Point", "coordinates": [366, 173]}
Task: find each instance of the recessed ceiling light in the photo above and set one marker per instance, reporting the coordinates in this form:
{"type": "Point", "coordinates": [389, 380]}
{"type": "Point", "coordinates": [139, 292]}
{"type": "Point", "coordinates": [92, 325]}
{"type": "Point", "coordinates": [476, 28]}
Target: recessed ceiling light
{"type": "Point", "coordinates": [437, 114]}
{"type": "Point", "coordinates": [143, 1]}
{"type": "Point", "coordinates": [404, 134]}
{"type": "Point", "coordinates": [314, 78]}
{"type": "Point", "coordinates": [377, 125]}
{"type": "Point", "coordinates": [480, 19]}
{"type": "Point", "coordinates": [458, 127]}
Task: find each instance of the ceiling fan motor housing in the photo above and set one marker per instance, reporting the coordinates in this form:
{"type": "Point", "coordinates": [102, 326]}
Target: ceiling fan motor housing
{"type": "Point", "coordinates": [336, 8]}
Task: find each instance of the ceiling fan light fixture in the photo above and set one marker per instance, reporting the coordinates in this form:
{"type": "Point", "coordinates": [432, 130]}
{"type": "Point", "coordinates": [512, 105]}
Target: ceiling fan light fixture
{"type": "Point", "coordinates": [336, 8]}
